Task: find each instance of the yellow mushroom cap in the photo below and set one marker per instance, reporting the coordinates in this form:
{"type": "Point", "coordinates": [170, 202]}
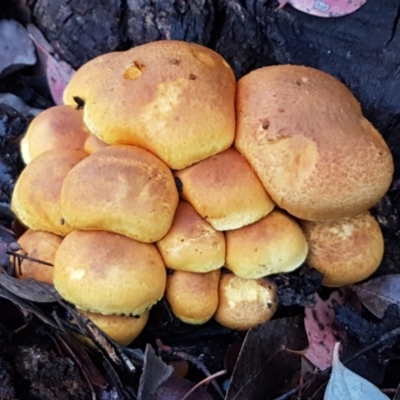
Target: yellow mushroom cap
{"type": "Point", "coordinates": [58, 127]}
{"type": "Point", "coordinates": [121, 189]}
{"type": "Point", "coordinates": [274, 244]}
{"type": "Point", "coordinates": [123, 329]}
{"type": "Point", "coordinates": [36, 199]}
{"type": "Point", "coordinates": [192, 244]}
{"type": "Point", "coordinates": [107, 273]}
{"type": "Point", "coordinates": [173, 98]}
{"type": "Point", "coordinates": [245, 303]}
{"type": "Point", "coordinates": [347, 250]}
{"type": "Point", "coordinates": [193, 297]}
{"type": "Point", "coordinates": [40, 246]}
{"type": "Point", "coordinates": [225, 191]}
{"type": "Point", "coordinates": [304, 134]}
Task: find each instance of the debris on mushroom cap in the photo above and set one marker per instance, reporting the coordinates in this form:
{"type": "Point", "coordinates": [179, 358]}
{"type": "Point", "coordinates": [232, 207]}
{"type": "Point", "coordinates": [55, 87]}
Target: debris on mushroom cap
{"type": "Point", "coordinates": [93, 144]}
{"type": "Point", "coordinates": [36, 199]}
{"type": "Point", "coordinates": [347, 250]}
{"type": "Point", "coordinates": [274, 244]}
{"type": "Point", "coordinates": [173, 98]}
{"type": "Point", "coordinates": [225, 191]}
{"type": "Point", "coordinates": [192, 244]}
{"type": "Point", "coordinates": [58, 127]}
{"type": "Point", "coordinates": [245, 303]}
{"type": "Point", "coordinates": [193, 297]}
{"type": "Point", "coordinates": [108, 273]}
{"type": "Point", "coordinates": [122, 189]}
{"type": "Point", "coordinates": [41, 246]}
{"type": "Point", "coordinates": [304, 134]}
{"type": "Point", "coordinates": [124, 330]}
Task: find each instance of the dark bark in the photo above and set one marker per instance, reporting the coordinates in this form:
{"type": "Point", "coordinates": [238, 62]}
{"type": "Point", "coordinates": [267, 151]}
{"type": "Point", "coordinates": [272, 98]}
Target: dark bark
{"type": "Point", "coordinates": [80, 30]}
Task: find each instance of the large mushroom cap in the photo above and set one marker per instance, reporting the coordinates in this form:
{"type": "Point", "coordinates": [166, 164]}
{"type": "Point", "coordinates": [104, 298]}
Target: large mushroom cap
{"type": "Point", "coordinates": [274, 244]}
{"type": "Point", "coordinates": [347, 250]}
{"type": "Point", "coordinates": [107, 273]}
{"type": "Point", "coordinates": [36, 199]}
{"type": "Point", "coordinates": [304, 134]}
{"type": "Point", "coordinates": [173, 98]}
{"type": "Point", "coordinates": [122, 189]}
{"type": "Point", "coordinates": [225, 191]}
{"type": "Point", "coordinates": [58, 127]}
{"type": "Point", "coordinates": [192, 244]}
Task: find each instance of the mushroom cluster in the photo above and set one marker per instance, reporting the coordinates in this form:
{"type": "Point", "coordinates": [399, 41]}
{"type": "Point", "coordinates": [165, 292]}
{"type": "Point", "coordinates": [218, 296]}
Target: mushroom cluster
{"type": "Point", "coordinates": [160, 159]}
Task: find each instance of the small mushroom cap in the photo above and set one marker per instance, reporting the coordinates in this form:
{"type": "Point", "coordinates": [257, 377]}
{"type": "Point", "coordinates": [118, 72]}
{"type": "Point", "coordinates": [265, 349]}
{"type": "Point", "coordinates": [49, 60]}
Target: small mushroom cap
{"type": "Point", "coordinates": [225, 191]}
{"type": "Point", "coordinates": [36, 199]}
{"type": "Point", "coordinates": [41, 246]}
{"type": "Point", "coordinates": [93, 144]}
{"type": "Point", "coordinates": [274, 244]}
{"type": "Point", "coordinates": [245, 303]}
{"type": "Point", "coordinates": [347, 250]}
{"type": "Point", "coordinates": [121, 189]}
{"type": "Point", "coordinates": [174, 98]}
{"type": "Point", "coordinates": [192, 244]}
{"type": "Point", "coordinates": [193, 297]}
{"type": "Point", "coordinates": [304, 134]}
{"type": "Point", "coordinates": [124, 330]}
{"type": "Point", "coordinates": [107, 273]}
{"type": "Point", "coordinates": [58, 127]}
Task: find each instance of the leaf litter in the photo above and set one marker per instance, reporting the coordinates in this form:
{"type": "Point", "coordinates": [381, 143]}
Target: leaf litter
{"type": "Point", "coordinates": [322, 329]}
{"type": "Point", "coordinates": [345, 384]}
{"type": "Point", "coordinates": [376, 294]}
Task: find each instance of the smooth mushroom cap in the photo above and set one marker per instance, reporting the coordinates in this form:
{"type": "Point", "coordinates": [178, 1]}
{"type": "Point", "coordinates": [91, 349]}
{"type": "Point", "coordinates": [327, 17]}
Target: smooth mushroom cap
{"type": "Point", "coordinates": [192, 244]}
{"type": "Point", "coordinates": [245, 303]}
{"type": "Point", "coordinates": [107, 273]}
{"type": "Point", "coordinates": [274, 244]}
{"type": "Point", "coordinates": [58, 127]}
{"type": "Point", "coordinates": [40, 246]}
{"type": "Point", "coordinates": [174, 98]}
{"type": "Point", "coordinates": [122, 189]}
{"type": "Point", "coordinates": [304, 134]}
{"type": "Point", "coordinates": [225, 191]}
{"type": "Point", "coordinates": [36, 199]}
{"type": "Point", "coordinates": [193, 297]}
{"type": "Point", "coordinates": [123, 330]}
{"type": "Point", "coordinates": [347, 250]}
{"type": "Point", "coordinates": [93, 144]}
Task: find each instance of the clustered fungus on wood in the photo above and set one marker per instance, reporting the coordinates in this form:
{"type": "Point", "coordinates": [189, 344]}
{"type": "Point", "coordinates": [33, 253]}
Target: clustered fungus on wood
{"type": "Point", "coordinates": [274, 169]}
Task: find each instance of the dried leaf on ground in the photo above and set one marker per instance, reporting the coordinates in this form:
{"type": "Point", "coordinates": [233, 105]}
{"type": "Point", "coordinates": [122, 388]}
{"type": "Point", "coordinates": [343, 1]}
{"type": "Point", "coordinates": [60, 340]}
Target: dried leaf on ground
{"type": "Point", "coordinates": [155, 373]}
{"type": "Point", "coordinates": [30, 289]}
{"type": "Point", "coordinates": [18, 104]}
{"type": "Point", "coordinates": [376, 294]}
{"type": "Point", "coordinates": [325, 8]}
{"type": "Point", "coordinates": [176, 387]}
{"type": "Point", "coordinates": [16, 48]}
{"type": "Point", "coordinates": [322, 330]}
{"type": "Point", "coordinates": [345, 384]}
{"type": "Point", "coordinates": [58, 72]}
{"type": "Point", "coordinates": [264, 364]}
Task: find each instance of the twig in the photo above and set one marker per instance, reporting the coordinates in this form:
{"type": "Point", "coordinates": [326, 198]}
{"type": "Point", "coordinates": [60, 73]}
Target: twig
{"type": "Point", "coordinates": [26, 257]}
{"type": "Point", "coordinates": [204, 381]}
{"type": "Point", "coordinates": [387, 336]}
{"type": "Point", "coordinates": [197, 361]}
